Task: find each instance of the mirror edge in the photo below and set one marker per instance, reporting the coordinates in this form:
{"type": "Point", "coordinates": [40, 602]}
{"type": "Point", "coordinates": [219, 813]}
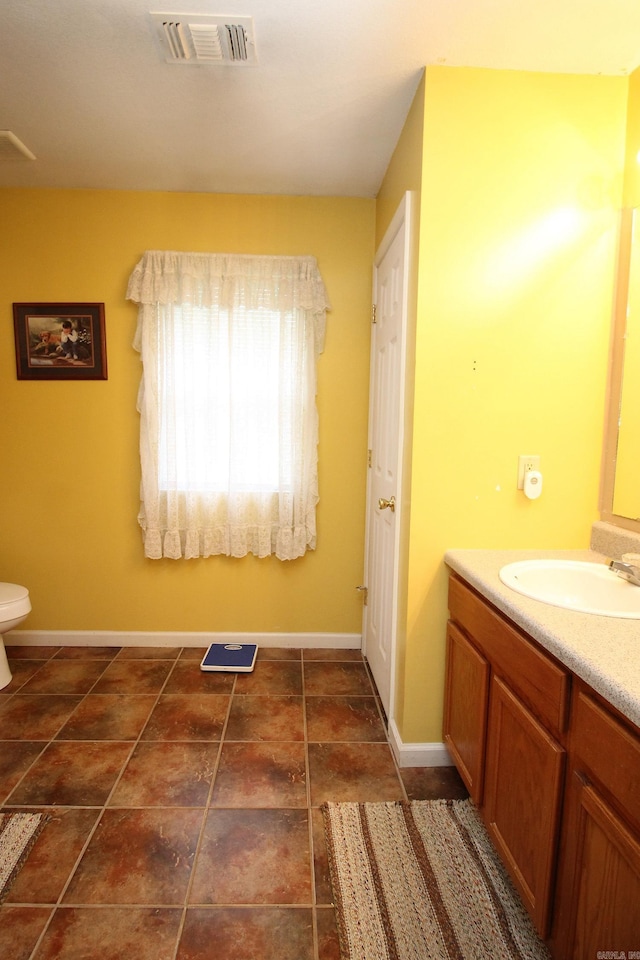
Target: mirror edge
{"type": "Point", "coordinates": [614, 383]}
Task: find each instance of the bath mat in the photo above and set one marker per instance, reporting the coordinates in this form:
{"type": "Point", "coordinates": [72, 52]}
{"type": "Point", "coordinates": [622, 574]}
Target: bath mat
{"type": "Point", "coordinates": [422, 881]}
{"type": "Point", "coordinates": [18, 833]}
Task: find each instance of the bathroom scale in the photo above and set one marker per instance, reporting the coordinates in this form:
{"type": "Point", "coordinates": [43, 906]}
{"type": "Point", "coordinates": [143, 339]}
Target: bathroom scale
{"type": "Point", "coordinates": [231, 657]}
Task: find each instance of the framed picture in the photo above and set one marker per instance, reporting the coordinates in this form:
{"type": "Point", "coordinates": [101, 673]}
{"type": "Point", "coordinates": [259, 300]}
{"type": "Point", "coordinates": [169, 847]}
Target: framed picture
{"type": "Point", "coordinates": [60, 341]}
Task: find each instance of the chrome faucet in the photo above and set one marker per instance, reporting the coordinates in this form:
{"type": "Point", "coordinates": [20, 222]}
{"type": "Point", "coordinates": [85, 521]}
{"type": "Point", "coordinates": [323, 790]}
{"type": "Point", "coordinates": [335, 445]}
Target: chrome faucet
{"type": "Point", "coordinates": [628, 571]}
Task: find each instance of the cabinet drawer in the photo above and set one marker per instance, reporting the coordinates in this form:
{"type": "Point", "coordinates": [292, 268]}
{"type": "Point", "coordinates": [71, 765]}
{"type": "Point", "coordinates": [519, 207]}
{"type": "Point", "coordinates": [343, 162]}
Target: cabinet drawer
{"type": "Point", "coordinates": [607, 751]}
{"type": "Point", "coordinates": [538, 679]}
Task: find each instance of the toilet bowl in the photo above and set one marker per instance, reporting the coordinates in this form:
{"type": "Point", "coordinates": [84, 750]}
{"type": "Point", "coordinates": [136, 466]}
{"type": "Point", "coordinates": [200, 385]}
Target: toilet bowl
{"type": "Point", "coordinates": [15, 606]}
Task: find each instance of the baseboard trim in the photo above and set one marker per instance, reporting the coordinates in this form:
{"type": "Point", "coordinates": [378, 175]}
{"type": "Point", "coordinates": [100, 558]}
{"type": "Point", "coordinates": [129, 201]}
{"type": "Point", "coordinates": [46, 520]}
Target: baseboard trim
{"type": "Point", "coordinates": [167, 638]}
{"type": "Point", "coordinates": [417, 754]}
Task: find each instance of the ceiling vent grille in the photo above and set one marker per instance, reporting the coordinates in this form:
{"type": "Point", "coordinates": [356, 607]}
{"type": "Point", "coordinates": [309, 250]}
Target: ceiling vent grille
{"type": "Point", "coordinates": [13, 149]}
{"type": "Point", "coordinates": [203, 39]}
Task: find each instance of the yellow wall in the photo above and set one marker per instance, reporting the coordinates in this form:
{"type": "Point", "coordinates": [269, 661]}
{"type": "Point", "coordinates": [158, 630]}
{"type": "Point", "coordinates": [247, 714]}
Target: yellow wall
{"type": "Point", "coordinates": [521, 178]}
{"type": "Point", "coordinates": [405, 169]}
{"type": "Point", "coordinates": [70, 468]}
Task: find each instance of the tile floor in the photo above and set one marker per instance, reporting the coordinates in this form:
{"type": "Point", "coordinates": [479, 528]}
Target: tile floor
{"type": "Point", "coordinates": [184, 806]}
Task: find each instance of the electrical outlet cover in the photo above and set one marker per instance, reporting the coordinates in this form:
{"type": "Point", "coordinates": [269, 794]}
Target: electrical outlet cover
{"type": "Point", "coordinates": [526, 463]}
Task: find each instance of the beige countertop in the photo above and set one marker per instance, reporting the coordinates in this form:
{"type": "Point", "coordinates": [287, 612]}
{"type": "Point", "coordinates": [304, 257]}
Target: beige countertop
{"type": "Point", "coordinates": [602, 651]}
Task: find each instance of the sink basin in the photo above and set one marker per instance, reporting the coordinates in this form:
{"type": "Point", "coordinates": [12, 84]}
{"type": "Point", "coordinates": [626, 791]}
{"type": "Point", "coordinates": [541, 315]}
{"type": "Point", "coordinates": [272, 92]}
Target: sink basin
{"type": "Point", "coordinates": [576, 585]}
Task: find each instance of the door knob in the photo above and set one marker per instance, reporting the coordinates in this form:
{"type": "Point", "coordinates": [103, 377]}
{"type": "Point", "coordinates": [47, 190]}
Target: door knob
{"type": "Point", "coordinates": [391, 504]}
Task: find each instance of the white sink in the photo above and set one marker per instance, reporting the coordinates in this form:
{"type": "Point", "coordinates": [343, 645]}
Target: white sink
{"type": "Point", "coordinates": [586, 587]}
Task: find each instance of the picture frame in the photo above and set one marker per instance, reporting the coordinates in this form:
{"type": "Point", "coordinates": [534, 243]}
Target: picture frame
{"type": "Point", "coordinates": [60, 341]}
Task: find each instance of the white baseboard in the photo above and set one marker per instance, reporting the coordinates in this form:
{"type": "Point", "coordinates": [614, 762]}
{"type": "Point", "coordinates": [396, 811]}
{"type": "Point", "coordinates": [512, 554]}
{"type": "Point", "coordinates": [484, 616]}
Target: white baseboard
{"type": "Point", "coordinates": [417, 754]}
{"type": "Point", "coordinates": [162, 638]}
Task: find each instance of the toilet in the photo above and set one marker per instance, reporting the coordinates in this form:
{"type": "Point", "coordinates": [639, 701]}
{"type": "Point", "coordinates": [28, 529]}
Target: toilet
{"type": "Point", "coordinates": [15, 606]}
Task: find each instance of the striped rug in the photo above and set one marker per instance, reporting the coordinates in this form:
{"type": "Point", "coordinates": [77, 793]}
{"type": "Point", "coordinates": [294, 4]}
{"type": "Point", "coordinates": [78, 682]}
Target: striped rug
{"type": "Point", "coordinates": [421, 881]}
{"type": "Point", "coordinates": [18, 833]}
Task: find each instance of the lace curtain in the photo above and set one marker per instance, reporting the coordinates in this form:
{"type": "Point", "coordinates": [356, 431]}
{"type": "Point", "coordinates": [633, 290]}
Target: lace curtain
{"type": "Point", "coordinates": [227, 403]}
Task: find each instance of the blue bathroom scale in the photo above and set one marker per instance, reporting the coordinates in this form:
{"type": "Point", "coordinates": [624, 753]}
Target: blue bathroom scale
{"type": "Point", "coordinates": [230, 657]}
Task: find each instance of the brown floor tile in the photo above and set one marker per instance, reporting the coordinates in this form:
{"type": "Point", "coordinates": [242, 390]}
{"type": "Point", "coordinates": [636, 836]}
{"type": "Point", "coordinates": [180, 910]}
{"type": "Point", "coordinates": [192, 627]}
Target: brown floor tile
{"type": "Point", "coordinates": [111, 934]}
{"type": "Point", "coordinates": [72, 773]}
{"type": "Point", "coordinates": [87, 653]}
{"type": "Point", "coordinates": [433, 783]}
{"type": "Point", "coordinates": [283, 678]}
{"type": "Point", "coordinates": [187, 677]}
{"type": "Point", "coordinates": [324, 893]}
{"type": "Point", "coordinates": [53, 856]}
{"type": "Point", "coordinates": [18, 652]}
{"type": "Point", "coordinates": [66, 676]}
{"type": "Point", "coordinates": [336, 679]}
{"type": "Point", "coordinates": [108, 716]}
{"type": "Point", "coordinates": [134, 676]}
{"type": "Point", "coordinates": [344, 718]}
{"type": "Point", "coordinates": [149, 653]}
{"type": "Point", "coordinates": [138, 857]}
{"type": "Point", "coordinates": [354, 773]}
{"type": "Point", "coordinates": [192, 653]}
{"type": "Point", "coordinates": [16, 756]}
{"type": "Point", "coordinates": [167, 775]}
{"type": "Point", "coordinates": [279, 653]}
{"type": "Point", "coordinates": [319, 653]}
{"type": "Point", "coordinates": [249, 933]}
{"type": "Point", "coordinates": [328, 941]}
{"type": "Point", "coordinates": [159, 754]}
{"type": "Point", "coordinates": [265, 718]}
{"type": "Point", "coordinates": [253, 856]}
{"type": "Point", "coordinates": [200, 716]}
{"type": "Point", "coordinates": [20, 928]}
{"type": "Point", "coordinates": [261, 775]}
{"type": "Point", "coordinates": [35, 717]}
{"type": "Point", "coordinates": [21, 671]}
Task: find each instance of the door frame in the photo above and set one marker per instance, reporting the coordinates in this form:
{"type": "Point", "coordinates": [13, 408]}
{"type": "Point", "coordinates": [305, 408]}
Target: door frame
{"type": "Point", "coordinates": [401, 221]}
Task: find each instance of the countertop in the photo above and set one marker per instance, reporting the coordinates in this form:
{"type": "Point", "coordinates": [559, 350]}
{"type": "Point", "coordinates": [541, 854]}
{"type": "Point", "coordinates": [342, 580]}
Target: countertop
{"type": "Point", "coordinates": [602, 651]}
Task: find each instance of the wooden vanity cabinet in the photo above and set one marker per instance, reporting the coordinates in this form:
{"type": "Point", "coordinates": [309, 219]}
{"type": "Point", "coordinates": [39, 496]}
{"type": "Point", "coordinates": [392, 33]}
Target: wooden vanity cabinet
{"type": "Point", "coordinates": [598, 901]}
{"type": "Point", "coordinates": [555, 772]}
{"type": "Point", "coordinates": [505, 719]}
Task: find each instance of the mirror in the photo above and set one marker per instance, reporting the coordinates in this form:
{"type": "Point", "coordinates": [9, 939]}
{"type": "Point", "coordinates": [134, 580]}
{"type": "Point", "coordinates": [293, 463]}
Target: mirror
{"type": "Point", "coordinates": [621, 462]}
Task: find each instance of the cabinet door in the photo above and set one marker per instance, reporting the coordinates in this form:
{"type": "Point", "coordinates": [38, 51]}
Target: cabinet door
{"type": "Point", "coordinates": [605, 895]}
{"type": "Point", "coordinates": [523, 792]}
{"type": "Point", "coordinates": [465, 709]}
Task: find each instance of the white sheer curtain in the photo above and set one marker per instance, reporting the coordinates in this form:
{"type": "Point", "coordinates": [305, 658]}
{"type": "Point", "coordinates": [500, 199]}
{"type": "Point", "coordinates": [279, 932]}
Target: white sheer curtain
{"type": "Point", "coordinates": [227, 402]}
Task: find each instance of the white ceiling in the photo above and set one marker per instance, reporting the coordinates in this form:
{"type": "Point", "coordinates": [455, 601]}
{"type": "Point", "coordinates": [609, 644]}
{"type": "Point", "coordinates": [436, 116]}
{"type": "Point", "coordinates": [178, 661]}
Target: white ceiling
{"type": "Point", "coordinates": [83, 85]}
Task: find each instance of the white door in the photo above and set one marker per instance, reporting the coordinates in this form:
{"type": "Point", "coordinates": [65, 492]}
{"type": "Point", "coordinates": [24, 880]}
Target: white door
{"type": "Point", "coordinates": [386, 413]}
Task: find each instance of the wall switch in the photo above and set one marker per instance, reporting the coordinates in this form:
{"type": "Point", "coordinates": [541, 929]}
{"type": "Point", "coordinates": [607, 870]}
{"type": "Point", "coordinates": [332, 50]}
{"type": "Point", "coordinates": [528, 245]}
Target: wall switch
{"type": "Point", "coordinates": [524, 465]}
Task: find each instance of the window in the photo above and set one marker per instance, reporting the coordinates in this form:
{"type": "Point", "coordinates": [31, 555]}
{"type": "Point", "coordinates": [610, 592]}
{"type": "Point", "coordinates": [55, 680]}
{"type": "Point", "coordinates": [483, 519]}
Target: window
{"type": "Point", "coordinates": [228, 428]}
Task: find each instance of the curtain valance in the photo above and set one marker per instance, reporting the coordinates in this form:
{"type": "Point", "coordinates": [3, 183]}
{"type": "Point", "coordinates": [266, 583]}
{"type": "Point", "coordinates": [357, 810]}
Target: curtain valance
{"type": "Point", "coordinates": [231, 281]}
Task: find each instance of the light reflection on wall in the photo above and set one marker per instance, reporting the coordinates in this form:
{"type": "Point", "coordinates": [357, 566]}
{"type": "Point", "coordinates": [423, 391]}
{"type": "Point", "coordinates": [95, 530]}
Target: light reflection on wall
{"type": "Point", "coordinates": [522, 257]}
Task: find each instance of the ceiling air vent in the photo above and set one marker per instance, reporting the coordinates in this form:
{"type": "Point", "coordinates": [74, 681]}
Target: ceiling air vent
{"type": "Point", "coordinates": [205, 39]}
{"type": "Point", "coordinates": [13, 149]}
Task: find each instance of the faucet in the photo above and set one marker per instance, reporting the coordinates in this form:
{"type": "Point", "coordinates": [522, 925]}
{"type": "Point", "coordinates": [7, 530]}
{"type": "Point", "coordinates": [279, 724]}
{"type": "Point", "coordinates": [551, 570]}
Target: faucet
{"type": "Point", "coordinates": [628, 571]}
